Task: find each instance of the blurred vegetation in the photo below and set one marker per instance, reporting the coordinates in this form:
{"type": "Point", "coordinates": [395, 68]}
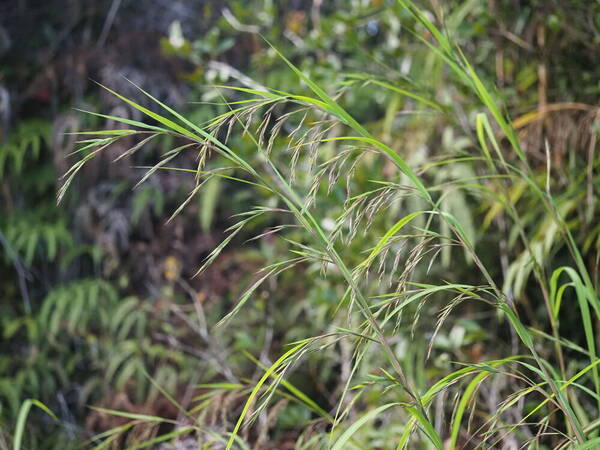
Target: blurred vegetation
{"type": "Point", "coordinates": [101, 311]}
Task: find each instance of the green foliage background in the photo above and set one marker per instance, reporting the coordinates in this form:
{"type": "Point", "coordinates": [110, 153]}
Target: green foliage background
{"type": "Point", "coordinates": [98, 305]}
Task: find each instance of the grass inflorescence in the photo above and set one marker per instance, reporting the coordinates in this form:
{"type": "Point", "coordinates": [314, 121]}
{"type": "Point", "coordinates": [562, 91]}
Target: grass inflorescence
{"type": "Point", "coordinates": [307, 147]}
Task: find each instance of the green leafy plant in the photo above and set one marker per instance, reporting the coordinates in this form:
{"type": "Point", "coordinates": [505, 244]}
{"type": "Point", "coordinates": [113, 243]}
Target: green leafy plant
{"type": "Point", "coordinates": [21, 421]}
{"type": "Point", "coordinates": [23, 143]}
{"type": "Point", "coordinates": [385, 284]}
